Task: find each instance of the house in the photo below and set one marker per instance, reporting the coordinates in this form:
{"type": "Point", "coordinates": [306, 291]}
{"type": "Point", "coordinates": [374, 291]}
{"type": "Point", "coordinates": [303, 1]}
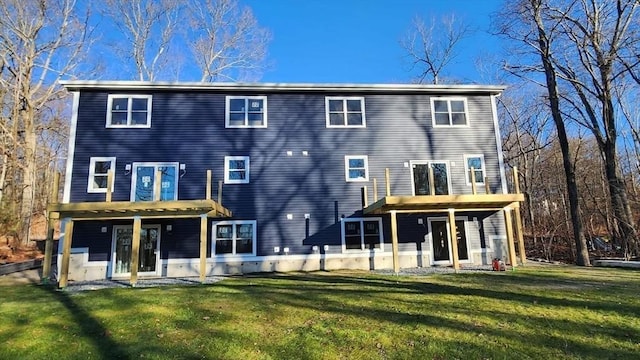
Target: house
{"type": "Point", "coordinates": [188, 179]}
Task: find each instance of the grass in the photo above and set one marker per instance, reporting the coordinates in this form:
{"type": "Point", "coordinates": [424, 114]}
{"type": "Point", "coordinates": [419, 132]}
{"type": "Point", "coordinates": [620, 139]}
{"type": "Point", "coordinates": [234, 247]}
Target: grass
{"type": "Point", "coordinates": [535, 312]}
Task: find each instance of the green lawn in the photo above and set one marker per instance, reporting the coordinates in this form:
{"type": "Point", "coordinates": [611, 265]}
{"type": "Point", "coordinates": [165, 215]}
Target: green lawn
{"type": "Point", "coordinates": [555, 312]}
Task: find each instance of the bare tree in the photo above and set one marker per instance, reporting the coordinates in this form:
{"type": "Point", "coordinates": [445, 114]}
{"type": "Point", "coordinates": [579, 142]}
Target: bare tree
{"type": "Point", "coordinates": [148, 27]}
{"type": "Point", "coordinates": [226, 41]}
{"type": "Point", "coordinates": [431, 47]}
{"type": "Point", "coordinates": [40, 41]}
{"type": "Point", "coordinates": [523, 21]}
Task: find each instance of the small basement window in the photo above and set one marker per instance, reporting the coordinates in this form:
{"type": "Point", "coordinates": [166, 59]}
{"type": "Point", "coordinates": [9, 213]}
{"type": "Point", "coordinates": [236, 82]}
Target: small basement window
{"type": "Point", "coordinates": [234, 237]}
{"type": "Point", "coordinates": [362, 234]}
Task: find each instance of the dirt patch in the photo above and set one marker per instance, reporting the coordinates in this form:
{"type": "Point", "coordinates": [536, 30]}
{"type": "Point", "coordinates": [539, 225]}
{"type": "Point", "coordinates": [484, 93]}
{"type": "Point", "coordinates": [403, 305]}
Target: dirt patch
{"type": "Point", "coordinates": [10, 253]}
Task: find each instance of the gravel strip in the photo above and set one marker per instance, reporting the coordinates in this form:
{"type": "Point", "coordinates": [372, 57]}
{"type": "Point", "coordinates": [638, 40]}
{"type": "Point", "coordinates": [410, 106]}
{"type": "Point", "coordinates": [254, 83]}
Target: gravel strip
{"type": "Point", "coordinates": [142, 283]}
{"type": "Point", "coordinates": [438, 270]}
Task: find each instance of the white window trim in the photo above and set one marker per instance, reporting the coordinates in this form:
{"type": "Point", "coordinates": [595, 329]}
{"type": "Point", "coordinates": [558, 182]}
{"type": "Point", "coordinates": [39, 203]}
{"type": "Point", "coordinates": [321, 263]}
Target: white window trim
{"type": "Point", "coordinates": [134, 177]}
{"type": "Point", "coordinates": [429, 162]}
{"type": "Point", "coordinates": [467, 169]}
{"type": "Point", "coordinates": [111, 264]}
{"type": "Point", "coordinates": [130, 98]}
{"type": "Point", "coordinates": [467, 240]}
{"type": "Point", "coordinates": [449, 99]}
{"type": "Point", "coordinates": [246, 112]}
{"type": "Point", "coordinates": [247, 165]}
{"type": "Point", "coordinates": [214, 229]}
{"type": "Point", "coordinates": [362, 245]}
{"type": "Point", "coordinates": [92, 168]}
{"type": "Point", "coordinates": [366, 168]}
{"type": "Point", "coordinates": [344, 99]}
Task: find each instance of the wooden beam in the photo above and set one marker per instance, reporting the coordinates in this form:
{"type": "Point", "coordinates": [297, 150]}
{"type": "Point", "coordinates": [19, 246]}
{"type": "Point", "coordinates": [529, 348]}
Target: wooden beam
{"type": "Point", "coordinates": [432, 183]}
{"type": "Point", "coordinates": [454, 239]}
{"type": "Point", "coordinates": [365, 199]}
{"type": "Point", "coordinates": [375, 189]}
{"type": "Point", "coordinates": [387, 180]}
{"type": "Point", "coordinates": [443, 202]}
{"type": "Point", "coordinates": [394, 242]}
{"type": "Point", "coordinates": [516, 180]}
{"type": "Point", "coordinates": [135, 250]}
{"type": "Point", "coordinates": [487, 188]}
{"type": "Point", "coordinates": [474, 190]}
{"type": "Point", "coordinates": [66, 253]}
{"type": "Point", "coordinates": [157, 186]}
{"type": "Point", "coordinates": [208, 190]}
{"type": "Point", "coordinates": [203, 247]}
{"type": "Point", "coordinates": [509, 227]}
{"type": "Point", "coordinates": [520, 235]}
{"type": "Point", "coordinates": [220, 192]}
{"type": "Point", "coordinates": [48, 246]}
{"type": "Point", "coordinates": [109, 192]}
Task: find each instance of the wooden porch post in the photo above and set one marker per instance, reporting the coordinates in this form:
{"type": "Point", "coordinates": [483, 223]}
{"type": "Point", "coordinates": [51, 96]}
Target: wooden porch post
{"type": "Point", "coordinates": [454, 239]}
{"type": "Point", "coordinates": [432, 182]}
{"type": "Point", "coordinates": [157, 186]}
{"type": "Point", "coordinates": [474, 189]}
{"type": "Point", "coordinates": [394, 241]}
{"type": "Point", "coordinates": [48, 247]}
{"type": "Point", "coordinates": [135, 250]}
{"type": "Point", "coordinates": [387, 179]}
{"type": "Point", "coordinates": [375, 189]}
{"type": "Point", "coordinates": [203, 247]}
{"type": "Point", "coordinates": [208, 187]}
{"type": "Point", "coordinates": [365, 198]}
{"type": "Point", "coordinates": [66, 253]}
{"type": "Point", "coordinates": [109, 192]}
{"type": "Point", "coordinates": [519, 229]}
{"type": "Point", "coordinates": [509, 227]}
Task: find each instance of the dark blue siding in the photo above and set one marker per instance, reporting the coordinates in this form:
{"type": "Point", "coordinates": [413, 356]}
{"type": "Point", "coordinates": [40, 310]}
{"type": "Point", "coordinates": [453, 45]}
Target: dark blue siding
{"type": "Point", "coordinates": [188, 127]}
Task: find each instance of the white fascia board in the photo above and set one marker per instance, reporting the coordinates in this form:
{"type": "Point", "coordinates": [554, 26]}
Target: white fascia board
{"type": "Point", "coordinates": [320, 87]}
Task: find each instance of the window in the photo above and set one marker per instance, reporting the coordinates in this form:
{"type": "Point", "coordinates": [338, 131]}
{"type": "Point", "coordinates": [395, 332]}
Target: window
{"type": "Point", "coordinates": [362, 234]}
{"type": "Point", "coordinates": [236, 169]}
{"type": "Point", "coordinates": [234, 237]}
{"type": "Point", "coordinates": [421, 173]}
{"type": "Point", "coordinates": [246, 112]}
{"type": "Point", "coordinates": [129, 111]}
{"type": "Point", "coordinates": [356, 168]}
{"type": "Point", "coordinates": [98, 170]}
{"type": "Point", "coordinates": [477, 163]}
{"type": "Point", "coordinates": [145, 177]}
{"type": "Point", "coordinates": [449, 112]}
{"type": "Point", "coordinates": [345, 112]}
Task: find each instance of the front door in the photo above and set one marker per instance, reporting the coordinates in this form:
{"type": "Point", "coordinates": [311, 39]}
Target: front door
{"type": "Point", "coordinates": [420, 172]}
{"type": "Point", "coordinates": [441, 241]}
{"type": "Point", "coordinates": [148, 255]}
{"type": "Point", "coordinates": [144, 180]}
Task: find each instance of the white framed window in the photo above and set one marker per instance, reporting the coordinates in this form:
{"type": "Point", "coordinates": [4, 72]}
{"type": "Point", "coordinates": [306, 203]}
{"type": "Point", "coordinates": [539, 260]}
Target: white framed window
{"type": "Point", "coordinates": [129, 111]}
{"type": "Point", "coordinates": [236, 169]}
{"type": "Point", "coordinates": [246, 112]}
{"type": "Point", "coordinates": [236, 237]}
{"type": "Point", "coordinates": [362, 234]}
{"type": "Point", "coordinates": [356, 168]}
{"type": "Point", "coordinates": [477, 163]}
{"type": "Point", "coordinates": [98, 170]}
{"type": "Point", "coordinates": [345, 111]}
{"type": "Point", "coordinates": [449, 112]}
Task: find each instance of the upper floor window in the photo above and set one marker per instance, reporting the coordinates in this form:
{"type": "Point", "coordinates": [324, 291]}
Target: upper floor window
{"type": "Point", "coordinates": [246, 112]}
{"type": "Point", "coordinates": [356, 168]}
{"type": "Point", "coordinates": [234, 237]}
{"type": "Point", "coordinates": [477, 163]}
{"type": "Point", "coordinates": [449, 112]}
{"type": "Point", "coordinates": [362, 234]}
{"type": "Point", "coordinates": [345, 112]}
{"type": "Point", "coordinates": [98, 171]}
{"type": "Point", "coordinates": [236, 169]}
{"type": "Point", "coordinates": [129, 111]}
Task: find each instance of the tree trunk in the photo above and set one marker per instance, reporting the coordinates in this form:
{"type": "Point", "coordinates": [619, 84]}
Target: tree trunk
{"type": "Point", "coordinates": [582, 255]}
{"type": "Point", "coordinates": [28, 174]}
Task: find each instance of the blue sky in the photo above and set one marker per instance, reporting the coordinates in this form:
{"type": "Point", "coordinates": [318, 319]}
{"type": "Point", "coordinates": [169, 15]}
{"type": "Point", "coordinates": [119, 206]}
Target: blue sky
{"type": "Point", "coordinates": [358, 41]}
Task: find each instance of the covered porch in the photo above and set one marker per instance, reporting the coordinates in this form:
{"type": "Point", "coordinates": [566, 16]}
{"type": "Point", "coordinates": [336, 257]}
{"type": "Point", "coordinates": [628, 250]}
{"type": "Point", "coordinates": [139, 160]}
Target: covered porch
{"type": "Point", "coordinates": [136, 212]}
{"type": "Point", "coordinates": [508, 204]}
